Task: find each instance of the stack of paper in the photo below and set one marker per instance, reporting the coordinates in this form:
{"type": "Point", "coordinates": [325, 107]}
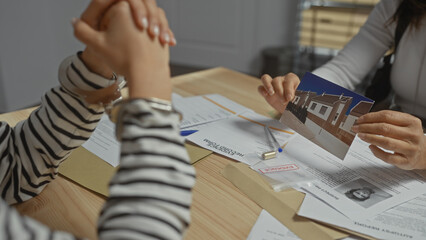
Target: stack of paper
{"type": "Point", "coordinates": [352, 188]}
{"type": "Point", "coordinates": [196, 111]}
{"type": "Point", "coordinates": [241, 136]}
{"type": "Point", "coordinates": [394, 208]}
{"type": "Point", "coordinates": [334, 185]}
{"type": "Point", "coordinates": [100, 154]}
{"type": "Point", "coordinates": [348, 186]}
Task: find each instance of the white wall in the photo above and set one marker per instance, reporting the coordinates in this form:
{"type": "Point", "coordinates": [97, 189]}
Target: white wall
{"type": "Point", "coordinates": [229, 33]}
{"type": "Point", "coordinates": [2, 97]}
{"type": "Point", "coordinates": [34, 37]}
{"type": "Point", "coordinates": [316, 110]}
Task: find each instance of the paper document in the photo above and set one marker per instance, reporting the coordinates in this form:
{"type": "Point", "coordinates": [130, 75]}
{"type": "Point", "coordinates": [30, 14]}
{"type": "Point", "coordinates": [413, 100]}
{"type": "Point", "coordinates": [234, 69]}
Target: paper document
{"type": "Point", "coordinates": [207, 108]}
{"type": "Point", "coordinates": [269, 228]}
{"type": "Point", "coordinates": [237, 136]}
{"type": "Point", "coordinates": [361, 185]}
{"type": "Point", "coordinates": [196, 111]}
{"type": "Point", "coordinates": [103, 143]}
{"type": "Point", "coordinates": [405, 221]}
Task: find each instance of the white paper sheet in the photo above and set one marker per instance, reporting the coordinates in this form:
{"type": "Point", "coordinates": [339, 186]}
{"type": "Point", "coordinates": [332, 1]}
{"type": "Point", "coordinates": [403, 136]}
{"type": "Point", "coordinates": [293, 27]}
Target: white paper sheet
{"type": "Point", "coordinates": [237, 136]}
{"type": "Point", "coordinates": [269, 228]}
{"type": "Point", "coordinates": [196, 112]}
{"type": "Point", "coordinates": [103, 143]}
{"type": "Point", "coordinates": [359, 170]}
{"type": "Point", "coordinates": [283, 172]}
{"type": "Point", "coordinates": [405, 221]}
{"type": "Point", "coordinates": [176, 96]}
{"type": "Point", "coordinates": [207, 108]}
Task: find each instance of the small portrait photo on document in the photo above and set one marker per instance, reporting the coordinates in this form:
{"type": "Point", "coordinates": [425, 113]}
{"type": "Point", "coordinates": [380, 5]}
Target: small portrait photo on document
{"type": "Point", "coordinates": [363, 193]}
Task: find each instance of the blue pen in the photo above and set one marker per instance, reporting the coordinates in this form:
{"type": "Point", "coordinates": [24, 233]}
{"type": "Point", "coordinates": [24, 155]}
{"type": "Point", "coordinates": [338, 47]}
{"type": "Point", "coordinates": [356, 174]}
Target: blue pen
{"type": "Point", "coordinates": [274, 140]}
{"type": "Point", "coordinates": [185, 133]}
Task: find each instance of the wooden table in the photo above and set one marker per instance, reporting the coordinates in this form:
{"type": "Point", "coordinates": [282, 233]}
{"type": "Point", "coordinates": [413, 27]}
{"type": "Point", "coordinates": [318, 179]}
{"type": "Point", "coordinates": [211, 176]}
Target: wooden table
{"type": "Point", "coordinates": [219, 210]}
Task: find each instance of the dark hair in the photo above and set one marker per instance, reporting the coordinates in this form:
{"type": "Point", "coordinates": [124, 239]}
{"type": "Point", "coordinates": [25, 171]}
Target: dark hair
{"type": "Point", "coordinates": [411, 12]}
{"type": "Point", "coordinates": [350, 193]}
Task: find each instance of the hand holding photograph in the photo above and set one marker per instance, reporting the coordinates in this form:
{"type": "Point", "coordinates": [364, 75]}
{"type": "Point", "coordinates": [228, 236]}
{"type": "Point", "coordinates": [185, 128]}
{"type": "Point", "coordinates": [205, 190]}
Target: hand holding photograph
{"type": "Point", "coordinates": [324, 113]}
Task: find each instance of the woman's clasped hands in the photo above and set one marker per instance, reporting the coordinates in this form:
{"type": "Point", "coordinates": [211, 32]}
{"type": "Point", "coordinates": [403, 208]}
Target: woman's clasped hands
{"type": "Point", "coordinates": [130, 38]}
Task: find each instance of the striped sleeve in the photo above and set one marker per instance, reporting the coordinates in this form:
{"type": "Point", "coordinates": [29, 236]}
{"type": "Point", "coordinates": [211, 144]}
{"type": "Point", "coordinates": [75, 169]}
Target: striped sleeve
{"type": "Point", "coordinates": [14, 226]}
{"type": "Point", "coordinates": [31, 152]}
{"type": "Point", "coordinates": [150, 195]}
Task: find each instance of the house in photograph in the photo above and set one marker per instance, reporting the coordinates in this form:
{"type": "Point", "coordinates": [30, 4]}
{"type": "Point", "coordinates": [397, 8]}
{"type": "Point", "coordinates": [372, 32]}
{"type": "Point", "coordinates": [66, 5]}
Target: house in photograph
{"type": "Point", "coordinates": [324, 113]}
{"type": "Point", "coordinates": [328, 111]}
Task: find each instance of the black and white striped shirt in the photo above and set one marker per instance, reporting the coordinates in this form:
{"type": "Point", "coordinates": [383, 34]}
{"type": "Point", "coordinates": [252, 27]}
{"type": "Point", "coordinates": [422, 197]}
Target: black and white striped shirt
{"type": "Point", "coordinates": [150, 195]}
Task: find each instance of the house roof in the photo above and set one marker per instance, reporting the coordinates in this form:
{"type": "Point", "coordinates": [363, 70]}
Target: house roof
{"type": "Point", "coordinates": [361, 108]}
{"type": "Point", "coordinates": [330, 99]}
{"type": "Point", "coordinates": [304, 93]}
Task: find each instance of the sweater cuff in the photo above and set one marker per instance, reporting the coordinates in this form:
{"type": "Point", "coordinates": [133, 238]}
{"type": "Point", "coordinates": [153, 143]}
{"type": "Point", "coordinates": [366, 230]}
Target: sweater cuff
{"type": "Point", "coordinates": [73, 74]}
{"type": "Point", "coordinates": [141, 111]}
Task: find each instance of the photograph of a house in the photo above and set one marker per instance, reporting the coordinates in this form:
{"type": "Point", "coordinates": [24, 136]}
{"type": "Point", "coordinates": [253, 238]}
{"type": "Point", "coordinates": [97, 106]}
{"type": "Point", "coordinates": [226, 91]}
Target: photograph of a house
{"type": "Point", "coordinates": [324, 113]}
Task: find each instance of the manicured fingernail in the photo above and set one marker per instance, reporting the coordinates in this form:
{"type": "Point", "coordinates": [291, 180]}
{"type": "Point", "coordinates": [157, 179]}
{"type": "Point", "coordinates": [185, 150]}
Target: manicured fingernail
{"type": "Point", "coordinates": [155, 30]}
{"type": "Point", "coordinates": [174, 41]}
{"type": "Point", "coordinates": [289, 96]}
{"type": "Point", "coordinates": [355, 128]}
{"type": "Point", "coordinates": [144, 22]}
{"type": "Point", "coordinates": [166, 37]}
{"type": "Point", "coordinates": [74, 21]}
